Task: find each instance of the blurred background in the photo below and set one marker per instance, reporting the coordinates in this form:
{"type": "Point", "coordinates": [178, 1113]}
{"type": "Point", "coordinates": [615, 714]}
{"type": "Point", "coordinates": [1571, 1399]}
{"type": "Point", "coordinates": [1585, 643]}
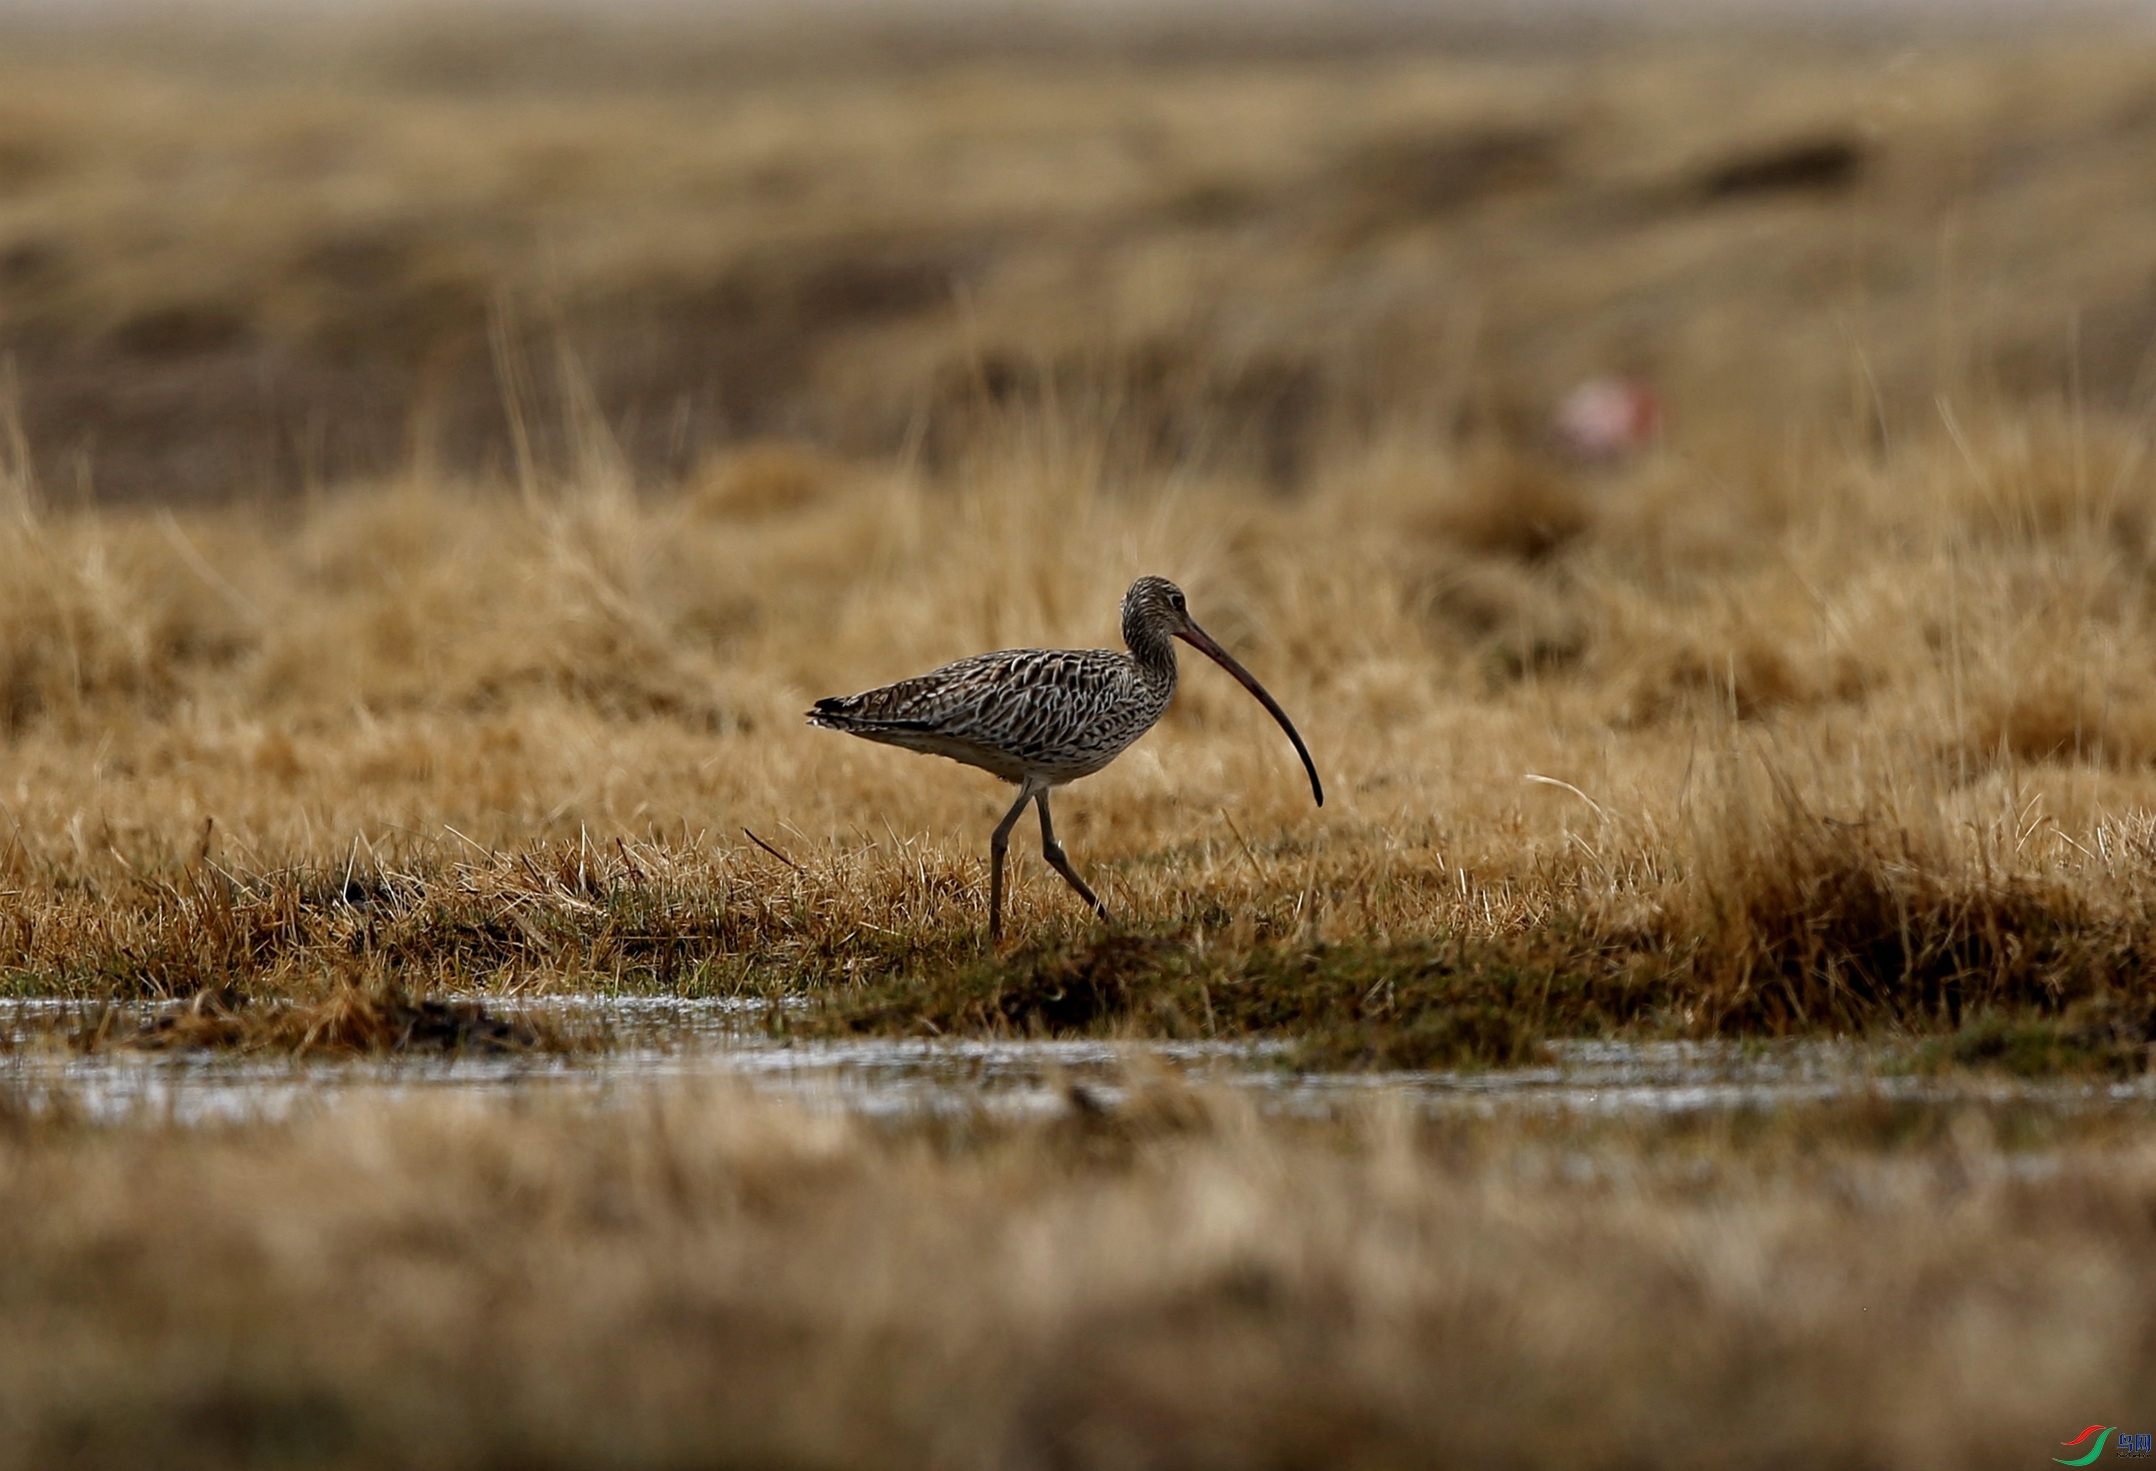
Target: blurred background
{"type": "Point", "coordinates": [253, 251]}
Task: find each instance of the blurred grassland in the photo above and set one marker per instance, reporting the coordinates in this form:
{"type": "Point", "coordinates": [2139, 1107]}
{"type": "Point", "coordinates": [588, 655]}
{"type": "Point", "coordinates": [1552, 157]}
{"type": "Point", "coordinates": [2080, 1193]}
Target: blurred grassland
{"type": "Point", "coordinates": [233, 272]}
{"type": "Point", "coordinates": [434, 495]}
{"type": "Point", "coordinates": [695, 1278]}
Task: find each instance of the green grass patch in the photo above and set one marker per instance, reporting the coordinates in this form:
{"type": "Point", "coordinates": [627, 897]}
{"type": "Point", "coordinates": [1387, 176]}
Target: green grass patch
{"type": "Point", "coordinates": [2006, 980]}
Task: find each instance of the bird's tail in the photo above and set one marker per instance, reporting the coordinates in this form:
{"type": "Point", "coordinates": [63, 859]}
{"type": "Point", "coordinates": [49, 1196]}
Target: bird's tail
{"type": "Point", "coordinates": [835, 713]}
{"type": "Point", "coordinates": [850, 714]}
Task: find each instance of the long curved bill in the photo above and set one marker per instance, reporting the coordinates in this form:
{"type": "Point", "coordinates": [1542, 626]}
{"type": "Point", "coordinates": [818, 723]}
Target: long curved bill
{"type": "Point", "coordinates": [1198, 639]}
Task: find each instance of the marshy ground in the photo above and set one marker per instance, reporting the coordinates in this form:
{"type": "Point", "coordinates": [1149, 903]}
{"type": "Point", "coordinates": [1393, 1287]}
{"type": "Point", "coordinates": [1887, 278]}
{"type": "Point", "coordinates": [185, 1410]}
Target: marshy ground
{"type": "Point", "coordinates": [445, 459]}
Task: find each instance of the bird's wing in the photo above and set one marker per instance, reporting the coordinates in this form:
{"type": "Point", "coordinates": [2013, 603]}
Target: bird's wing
{"type": "Point", "coordinates": [1013, 697]}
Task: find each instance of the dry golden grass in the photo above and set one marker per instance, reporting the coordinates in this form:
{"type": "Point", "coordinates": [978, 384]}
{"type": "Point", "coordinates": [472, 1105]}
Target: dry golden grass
{"type": "Point", "coordinates": [1860, 743]}
{"type": "Point", "coordinates": [696, 1278]}
{"type": "Point", "coordinates": [1831, 709]}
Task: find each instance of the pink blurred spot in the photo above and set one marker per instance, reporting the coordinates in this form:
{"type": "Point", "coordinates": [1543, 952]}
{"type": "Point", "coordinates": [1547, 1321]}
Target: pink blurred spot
{"type": "Point", "coordinates": [1608, 418]}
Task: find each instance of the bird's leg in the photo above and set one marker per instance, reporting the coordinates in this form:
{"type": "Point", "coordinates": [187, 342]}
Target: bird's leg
{"type": "Point", "coordinates": [997, 847]}
{"type": "Point", "coordinates": [1053, 852]}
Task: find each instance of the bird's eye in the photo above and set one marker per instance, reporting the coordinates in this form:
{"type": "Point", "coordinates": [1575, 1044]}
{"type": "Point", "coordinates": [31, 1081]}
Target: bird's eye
{"type": "Point", "coordinates": [1177, 600]}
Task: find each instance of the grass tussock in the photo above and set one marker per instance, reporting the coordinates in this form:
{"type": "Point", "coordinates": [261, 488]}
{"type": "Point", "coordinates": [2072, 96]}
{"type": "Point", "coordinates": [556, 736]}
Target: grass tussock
{"type": "Point", "coordinates": [1805, 915]}
{"type": "Point", "coordinates": [346, 1022]}
{"type": "Point", "coordinates": [698, 1277]}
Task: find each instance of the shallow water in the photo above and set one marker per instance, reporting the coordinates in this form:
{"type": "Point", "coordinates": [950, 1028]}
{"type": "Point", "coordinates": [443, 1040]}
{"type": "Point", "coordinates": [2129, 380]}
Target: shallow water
{"type": "Point", "coordinates": [666, 1039]}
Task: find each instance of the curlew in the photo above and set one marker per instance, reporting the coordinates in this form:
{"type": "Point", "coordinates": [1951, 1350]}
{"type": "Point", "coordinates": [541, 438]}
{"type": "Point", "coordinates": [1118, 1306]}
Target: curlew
{"type": "Point", "coordinates": [1042, 718]}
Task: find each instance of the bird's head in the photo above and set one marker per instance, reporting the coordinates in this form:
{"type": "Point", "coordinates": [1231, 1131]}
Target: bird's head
{"type": "Point", "coordinates": [1155, 610]}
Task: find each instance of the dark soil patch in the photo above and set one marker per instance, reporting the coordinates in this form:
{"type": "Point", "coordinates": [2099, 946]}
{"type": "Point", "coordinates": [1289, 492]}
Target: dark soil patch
{"type": "Point", "coordinates": [349, 1021]}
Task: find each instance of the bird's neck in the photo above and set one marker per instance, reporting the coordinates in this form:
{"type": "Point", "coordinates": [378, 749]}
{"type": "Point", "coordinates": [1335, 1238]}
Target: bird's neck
{"type": "Point", "coordinates": [1154, 653]}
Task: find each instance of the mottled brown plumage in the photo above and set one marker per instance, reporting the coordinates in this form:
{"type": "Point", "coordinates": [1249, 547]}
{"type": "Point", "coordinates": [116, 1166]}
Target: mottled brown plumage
{"type": "Point", "coordinates": [1043, 717]}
